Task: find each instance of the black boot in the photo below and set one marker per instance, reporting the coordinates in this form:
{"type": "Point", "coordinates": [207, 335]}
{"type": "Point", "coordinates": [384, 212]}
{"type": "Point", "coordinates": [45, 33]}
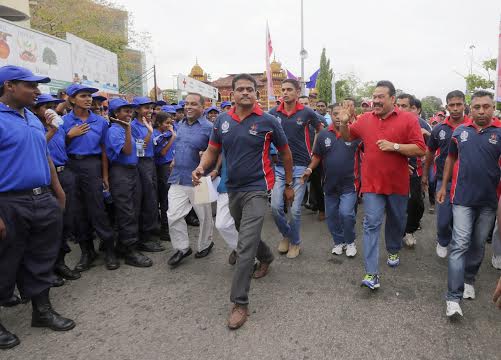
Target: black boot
{"type": "Point", "coordinates": [62, 270]}
{"type": "Point", "coordinates": [88, 256]}
{"type": "Point", "coordinates": [13, 301]}
{"type": "Point", "coordinates": [110, 257]}
{"type": "Point", "coordinates": [133, 257]}
{"type": "Point", "coordinates": [7, 339]}
{"type": "Point", "coordinates": [164, 233]}
{"type": "Point", "coordinates": [45, 316]}
{"type": "Point", "coordinates": [58, 282]}
{"type": "Point", "coordinates": [147, 244]}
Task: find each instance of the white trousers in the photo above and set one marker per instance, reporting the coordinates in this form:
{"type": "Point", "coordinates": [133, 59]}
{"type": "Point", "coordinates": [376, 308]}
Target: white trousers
{"type": "Point", "coordinates": [181, 199]}
{"type": "Point", "coordinates": [225, 223]}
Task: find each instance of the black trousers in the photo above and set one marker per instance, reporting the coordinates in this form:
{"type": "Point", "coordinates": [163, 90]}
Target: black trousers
{"type": "Point", "coordinates": [90, 213]}
{"type": "Point", "coordinates": [432, 187]}
{"type": "Point", "coordinates": [123, 186]}
{"type": "Point", "coordinates": [163, 173]}
{"type": "Point", "coordinates": [415, 206]}
{"type": "Point", "coordinates": [147, 205]}
{"type": "Point", "coordinates": [27, 255]}
{"type": "Point", "coordinates": [316, 191]}
{"type": "Point", "coordinates": [67, 181]}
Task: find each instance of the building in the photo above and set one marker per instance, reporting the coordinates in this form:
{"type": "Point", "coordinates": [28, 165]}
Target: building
{"type": "Point", "coordinates": [134, 66]}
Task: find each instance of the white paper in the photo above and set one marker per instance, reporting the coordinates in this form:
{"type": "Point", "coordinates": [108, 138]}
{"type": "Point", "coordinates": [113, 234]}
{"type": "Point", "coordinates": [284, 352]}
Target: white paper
{"type": "Point", "coordinates": [205, 192]}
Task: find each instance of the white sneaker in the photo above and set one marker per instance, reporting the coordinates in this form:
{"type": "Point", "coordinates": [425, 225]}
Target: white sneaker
{"type": "Point", "coordinates": [496, 262]}
{"type": "Point", "coordinates": [351, 250]}
{"type": "Point", "coordinates": [409, 240]}
{"type": "Point", "coordinates": [453, 310]}
{"type": "Point", "coordinates": [469, 292]}
{"type": "Point", "coordinates": [441, 251]}
{"type": "Point", "coordinates": [338, 249]}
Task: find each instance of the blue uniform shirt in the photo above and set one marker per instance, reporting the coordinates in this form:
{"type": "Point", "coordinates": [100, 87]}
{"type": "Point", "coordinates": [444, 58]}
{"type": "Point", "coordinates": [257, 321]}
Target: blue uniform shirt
{"type": "Point", "coordinates": [338, 160]}
{"type": "Point", "coordinates": [139, 131]}
{"type": "Point", "coordinates": [246, 145]}
{"type": "Point", "coordinates": [222, 189]}
{"type": "Point", "coordinates": [296, 128]}
{"type": "Point", "coordinates": [89, 143]}
{"type": "Point", "coordinates": [23, 151]}
{"type": "Point", "coordinates": [476, 172]}
{"type": "Point", "coordinates": [161, 139]}
{"type": "Point", "coordinates": [114, 142]}
{"type": "Point", "coordinates": [57, 148]}
{"type": "Point", "coordinates": [190, 140]}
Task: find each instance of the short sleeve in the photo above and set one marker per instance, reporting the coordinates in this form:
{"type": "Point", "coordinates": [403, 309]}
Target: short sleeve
{"type": "Point", "coordinates": [414, 135]}
{"type": "Point", "coordinates": [433, 140]}
{"type": "Point", "coordinates": [279, 139]}
{"type": "Point", "coordinates": [105, 128]}
{"type": "Point", "coordinates": [114, 142]}
{"type": "Point", "coordinates": [215, 137]}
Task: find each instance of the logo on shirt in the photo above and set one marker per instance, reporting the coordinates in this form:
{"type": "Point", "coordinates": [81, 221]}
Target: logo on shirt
{"type": "Point", "coordinates": [253, 129]}
{"type": "Point", "coordinates": [225, 127]}
{"type": "Point", "coordinates": [347, 143]}
{"type": "Point", "coordinates": [441, 135]}
{"type": "Point", "coordinates": [493, 139]}
{"type": "Point", "coordinates": [463, 136]}
{"type": "Point", "coordinates": [299, 121]}
{"type": "Point", "coordinates": [327, 142]}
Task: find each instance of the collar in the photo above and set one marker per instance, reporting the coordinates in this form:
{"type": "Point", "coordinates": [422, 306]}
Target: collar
{"type": "Point", "coordinates": [255, 110]}
{"type": "Point", "coordinates": [199, 120]}
{"type": "Point", "coordinates": [395, 111]}
{"type": "Point", "coordinates": [295, 110]}
{"type": "Point", "coordinates": [331, 128]}
{"type": "Point", "coordinates": [470, 123]}
{"type": "Point", "coordinates": [92, 117]}
{"type": "Point", "coordinates": [452, 126]}
{"type": "Point", "coordinates": [5, 108]}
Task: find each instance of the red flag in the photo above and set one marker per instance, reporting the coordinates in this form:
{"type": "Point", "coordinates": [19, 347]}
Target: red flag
{"type": "Point", "coordinates": [269, 50]}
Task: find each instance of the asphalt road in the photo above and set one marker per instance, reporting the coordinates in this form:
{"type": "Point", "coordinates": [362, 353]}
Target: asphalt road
{"type": "Point", "coordinates": [311, 307]}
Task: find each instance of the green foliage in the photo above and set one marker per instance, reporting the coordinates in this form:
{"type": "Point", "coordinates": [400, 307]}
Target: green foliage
{"type": "Point", "coordinates": [324, 80]}
{"type": "Point", "coordinates": [430, 105]}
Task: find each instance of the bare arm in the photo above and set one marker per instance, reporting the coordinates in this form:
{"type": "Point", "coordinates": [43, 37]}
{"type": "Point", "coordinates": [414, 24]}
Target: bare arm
{"type": "Point", "coordinates": [286, 156]}
{"type": "Point", "coordinates": [168, 145]}
{"type": "Point", "coordinates": [449, 166]}
{"type": "Point", "coordinates": [426, 169]}
{"type": "Point", "coordinates": [127, 148]}
{"type": "Point", "coordinates": [315, 161]}
{"type": "Point", "coordinates": [208, 159]}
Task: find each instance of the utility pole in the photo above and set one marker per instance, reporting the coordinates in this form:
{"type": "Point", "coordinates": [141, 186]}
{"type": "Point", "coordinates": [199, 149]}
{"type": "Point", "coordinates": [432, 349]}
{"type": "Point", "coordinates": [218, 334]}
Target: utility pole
{"type": "Point", "coordinates": [303, 53]}
{"type": "Point", "coordinates": [471, 58]}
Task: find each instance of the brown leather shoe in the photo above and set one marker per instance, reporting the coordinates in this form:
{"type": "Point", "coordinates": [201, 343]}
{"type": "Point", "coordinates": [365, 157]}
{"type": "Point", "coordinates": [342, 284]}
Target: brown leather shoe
{"type": "Point", "coordinates": [238, 316]}
{"type": "Point", "coordinates": [261, 271]}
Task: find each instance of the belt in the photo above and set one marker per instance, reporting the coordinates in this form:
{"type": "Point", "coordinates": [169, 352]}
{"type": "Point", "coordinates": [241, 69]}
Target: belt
{"type": "Point", "coordinates": [29, 192]}
{"type": "Point", "coordinates": [59, 169]}
{"type": "Point", "coordinates": [81, 157]}
{"type": "Point", "coordinates": [127, 166]}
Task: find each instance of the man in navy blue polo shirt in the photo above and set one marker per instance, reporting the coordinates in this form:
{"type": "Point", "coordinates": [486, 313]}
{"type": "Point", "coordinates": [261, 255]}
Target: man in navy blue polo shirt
{"type": "Point", "coordinates": [437, 152]}
{"type": "Point", "coordinates": [474, 154]}
{"type": "Point", "coordinates": [340, 183]}
{"type": "Point", "coordinates": [193, 135]}
{"type": "Point", "coordinates": [245, 135]}
{"type": "Point", "coordinates": [295, 120]}
{"type": "Point", "coordinates": [30, 215]}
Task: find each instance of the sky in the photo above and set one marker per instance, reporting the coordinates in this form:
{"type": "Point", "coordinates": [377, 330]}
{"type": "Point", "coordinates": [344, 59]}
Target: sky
{"type": "Point", "coordinates": [422, 46]}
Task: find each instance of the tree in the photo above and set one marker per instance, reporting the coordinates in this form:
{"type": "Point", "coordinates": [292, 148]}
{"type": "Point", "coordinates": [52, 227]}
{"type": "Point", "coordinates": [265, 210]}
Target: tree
{"type": "Point", "coordinates": [431, 105]}
{"type": "Point", "coordinates": [346, 87]}
{"type": "Point", "coordinates": [365, 90]}
{"type": "Point", "coordinates": [324, 80]}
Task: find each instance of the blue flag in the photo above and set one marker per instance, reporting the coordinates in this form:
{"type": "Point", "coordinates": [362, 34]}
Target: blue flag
{"type": "Point", "coordinates": [313, 80]}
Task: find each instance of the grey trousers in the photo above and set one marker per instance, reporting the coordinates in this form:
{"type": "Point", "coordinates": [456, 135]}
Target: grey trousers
{"type": "Point", "coordinates": [248, 210]}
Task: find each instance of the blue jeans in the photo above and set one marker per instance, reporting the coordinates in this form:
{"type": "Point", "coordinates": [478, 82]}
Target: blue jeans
{"type": "Point", "coordinates": [466, 250]}
{"type": "Point", "coordinates": [396, 218]}
{"type": "Point", "coordinates": [341, 217]}
{"type": "Point", "coordinates": [444, 217]}
{"type": "Point", "coordinates": [288, 229]}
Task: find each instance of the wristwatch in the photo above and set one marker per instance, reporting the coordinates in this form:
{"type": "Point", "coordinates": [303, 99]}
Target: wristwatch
{"type": "Point", "coordinates": [291, 184]}
{"type": "Point", "coordinates": [396, 146]}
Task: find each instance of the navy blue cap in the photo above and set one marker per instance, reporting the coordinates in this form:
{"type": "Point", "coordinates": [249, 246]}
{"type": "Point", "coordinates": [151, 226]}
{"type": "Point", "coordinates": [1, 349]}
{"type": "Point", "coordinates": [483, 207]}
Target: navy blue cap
{"type": "Point", "coordinates": [74, 89]}
{"type": "Point", "coordinates": [168, 109]}
{"type": "Point", "coordinates": [161, 103]}
{"type": "Point", "coordinates": [11, 72]}
{"type": "Point", "coordinates": [99, 97]}
{"type": "Point", "coordinates": [142, 100]}
{"type": "Point", "coordinates": [117, 103]}
{"type": "Point", "coordinates": [182, 103]}
{"type": "Point", "coordinates": [47, 98]}
{"type": "Point", "coordinates": [225, 104]}
{"type": "Point", "coordinates": [212, 108]}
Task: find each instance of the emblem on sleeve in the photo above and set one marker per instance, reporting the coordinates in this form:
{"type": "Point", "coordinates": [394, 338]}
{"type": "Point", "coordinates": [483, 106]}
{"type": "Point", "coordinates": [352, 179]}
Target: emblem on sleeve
{"type": "Point", "coordinates": [463, 136]}
{"type": "Point", "coordinates": [441, 135]}
{"type": "Point", "coordinates": [327, 142]}
{"type": "Point", "coordinates": [225, 127]}
{"type": "Point", "coordinates": [493, 139]}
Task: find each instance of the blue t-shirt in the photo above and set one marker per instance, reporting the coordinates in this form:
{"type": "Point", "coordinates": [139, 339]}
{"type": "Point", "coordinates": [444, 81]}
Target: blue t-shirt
{"type": "Point", "coordinates": [222, 189]}
{"type": "Point", "coordinates": [57, 148]}
{"type": "Point", "coordinates": [246, 145]}
{"type": "Point", "coordinates": [159, 141]}
{"type": "Point", "coordinates": [476, 172]}
{"type": "Point", "coordinates": [90, 142]}
{"type": "Point", "coordinates": [23, 151]}
{"type": "Point", "coordinates": [114, 143]}
{"type": "Point", "coordinates": [139, 131]}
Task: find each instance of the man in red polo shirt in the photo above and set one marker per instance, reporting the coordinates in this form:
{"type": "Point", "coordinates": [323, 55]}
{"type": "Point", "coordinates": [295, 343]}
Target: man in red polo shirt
{"type": "Point", "coordinates": [390, 137]}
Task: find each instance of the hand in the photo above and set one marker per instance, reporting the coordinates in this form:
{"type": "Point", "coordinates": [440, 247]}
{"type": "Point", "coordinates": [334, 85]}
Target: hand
{"type": "Point", "coordinates": [106, 184]}
{"type": "Point", "coordinates": [425, 132]}
{"type": "Point", "coordinates": [3, 230]}
{"type": "Point", "coordinates": [214, 174]}
{"type": "Point", "coordinates": [148, 125]}
{"type": "Point", "coordinates": [120, 122]}
{"type": "Point", "coordinates": [344, 115]}
{"type": "Point", "coordinates": [411, 169]}
{"type": "Point", "coordinates": [200, 153]}
{"type": "Point", "coordinates": [61, 199]}
{"type": "Point", "coordinates": [49, 119]}
{"type": "Point", "coordinates": [385, 145]}
{"type": "Point", "coordinates": [289, 195]}
{"type": "Point", "coordinates": [306, 176]}
{"type": "Point", "coordinates": [350, 107]}
{"type": "Point", "coordinates": [78, 130]}
{"type": "Point", "coordinates": [196, 175]}
{"type": "Point", "coordinates": [441, 195]}
{"type": "Point", "coordinates": [496, 298]}
{"type": "Point", "coordinates": [424, 183]}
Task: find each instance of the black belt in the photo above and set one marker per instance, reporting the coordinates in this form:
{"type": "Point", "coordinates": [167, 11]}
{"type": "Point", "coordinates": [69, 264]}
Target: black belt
{"type": "Point", "coordinates": [127, 166]}
{"type": "Point", "coordinates": [59, 169]}
{"type": "Point", "coordinates": [29, 192]}
{"type": "Point", "coordinates": [81, 157]}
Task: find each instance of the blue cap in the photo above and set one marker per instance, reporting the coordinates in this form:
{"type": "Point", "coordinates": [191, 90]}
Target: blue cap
{"type": "Point", "coordinates": [47, 98]}
{"type": "Point", "coordinates": [212, 108]}
{"type": "Point", "coordinates": [11, 72]}
{"type": "Point", "coordinates": [74, 89]}
{"type": "Point", "coordinates": [225, 104]}
{"type": "Point", "coordinates": [115, 104]}
{"type": "Point", "coordinates": [142, 100]}
{"type": "Point", "coordinates": [161, 103]}
{"type": "Point", "coordinates": [178, 107]}
{"type": "Point", "coordinates": [168, 109]}
{"type": "Point", "coordinates": [99, 97]}
{"type": "Point", "coordinates": [182, 103]}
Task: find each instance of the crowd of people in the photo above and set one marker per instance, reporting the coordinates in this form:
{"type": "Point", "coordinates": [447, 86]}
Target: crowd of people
{"type": "Point", "coordinates": [73, 169]}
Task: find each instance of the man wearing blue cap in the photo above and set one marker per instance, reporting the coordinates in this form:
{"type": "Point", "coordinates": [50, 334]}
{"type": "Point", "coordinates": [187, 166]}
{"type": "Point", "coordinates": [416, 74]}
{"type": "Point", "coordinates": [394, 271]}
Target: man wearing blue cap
{"type": "Point", "coordinates": [30, 215]}
{"type": "Point", "coordinates": [56, 143]}
{"type": "Point", "coordinates": [85, 135]}
{"type": "Point", "coordinates": [225, 106]}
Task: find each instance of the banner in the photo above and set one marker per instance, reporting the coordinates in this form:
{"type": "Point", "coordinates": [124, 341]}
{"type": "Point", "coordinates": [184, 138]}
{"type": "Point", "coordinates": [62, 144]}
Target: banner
{"type": "Point", "coordinates": [93, 66]}
{"type": "Point", "coordinates": [498, 86]}
{"type": "Point", "coordinates": [269, 50]}
{"type": "Point", "coordinates": [41, 53]}
{"type": "Point", "coordinates": [188, 84]}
